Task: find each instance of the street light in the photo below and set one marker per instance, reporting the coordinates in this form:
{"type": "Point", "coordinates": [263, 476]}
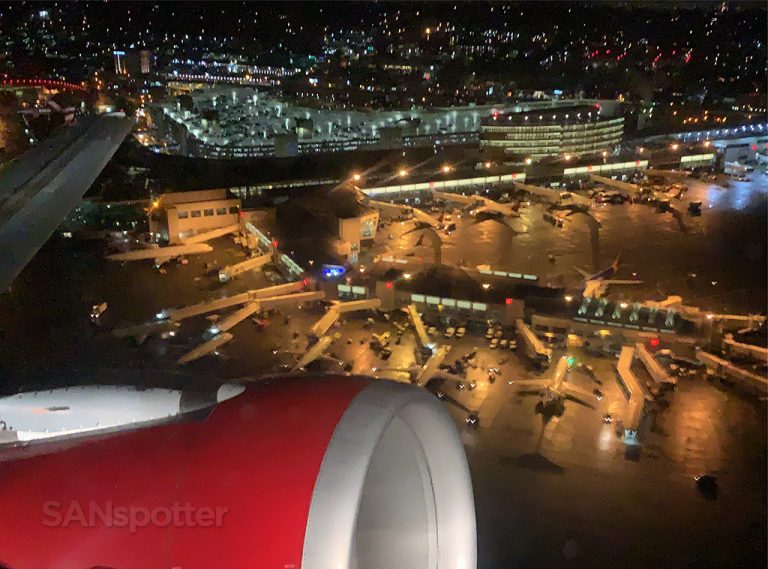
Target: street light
{"type": "Point", "coordinates": [675, 146]}
{"type": "Point", "coordinates": [568, 298]}
{"type": "Point", "coordinates": [403, 173]}
{"type": "Point", "coordinates": [486, 286]}
{"type": "Point", "coordinates": [567, 156]}
{"type": "Point", "coordinates": [487, 164]}
{"type": "Point", "coordinates": [446, 168]}
{"type": "Point", "coordinates": [707, 143]}
{"type": "Point", "coordinates": [528, 161]}
{"type": "Point", "coordinates": [605, 153]}
{"type": "Point", "coordinates": [356, 177]}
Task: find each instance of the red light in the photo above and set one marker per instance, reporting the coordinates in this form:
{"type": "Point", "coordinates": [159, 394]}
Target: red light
{"type": "Point", "coordinates": [654, 342]}
{"type": "Point", "coordinates": [389, 284]}
{"type": "Point", "coordinates": [306, 282]}
{"type": "Point", "coordinates": [754, 147]}
{"type": "Point", "coordinates": [508, 301]}
{"type": "Point", "coordinates": [607, 52]}
{"type": "Point", "coordinates": [637, 162]}
{"type": "Point", "coordinates": [275, 243]}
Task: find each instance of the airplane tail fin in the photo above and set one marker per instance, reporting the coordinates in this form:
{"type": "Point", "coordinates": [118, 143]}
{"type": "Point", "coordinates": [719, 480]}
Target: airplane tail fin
{"type": "Point", "coordinates": [615, 263]}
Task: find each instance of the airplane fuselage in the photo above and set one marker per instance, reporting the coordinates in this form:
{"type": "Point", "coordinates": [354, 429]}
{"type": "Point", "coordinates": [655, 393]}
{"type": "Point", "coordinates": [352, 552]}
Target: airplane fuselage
{"type": "Point", "coordinates": [605, 274]}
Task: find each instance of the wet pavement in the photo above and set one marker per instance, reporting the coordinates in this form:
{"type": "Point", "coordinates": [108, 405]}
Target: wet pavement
{"type": "Point", "coordinates": [562, 494]}
{"type": "Point", "coordinates": [724, 247]}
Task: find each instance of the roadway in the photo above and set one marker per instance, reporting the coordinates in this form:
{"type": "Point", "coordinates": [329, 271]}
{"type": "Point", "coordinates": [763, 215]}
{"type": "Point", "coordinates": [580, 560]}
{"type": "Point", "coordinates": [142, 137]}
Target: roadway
{"type": "Point", "coordinates": [41, 187]}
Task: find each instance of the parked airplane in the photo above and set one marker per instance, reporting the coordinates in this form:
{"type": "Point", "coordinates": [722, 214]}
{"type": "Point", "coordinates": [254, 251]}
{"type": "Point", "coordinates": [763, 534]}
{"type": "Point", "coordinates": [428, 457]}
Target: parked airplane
{"type": "Point", "coordinates": [431, 368]}
{"type": "Point", "coordinates": [556, 388]}
{"type": "Point", "coordinates": [596, 285]}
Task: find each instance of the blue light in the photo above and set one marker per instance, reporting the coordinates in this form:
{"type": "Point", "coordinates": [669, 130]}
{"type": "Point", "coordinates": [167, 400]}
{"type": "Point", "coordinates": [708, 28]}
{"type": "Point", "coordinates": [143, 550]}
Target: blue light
{"type": "Point", "coordinates": [332, 271]}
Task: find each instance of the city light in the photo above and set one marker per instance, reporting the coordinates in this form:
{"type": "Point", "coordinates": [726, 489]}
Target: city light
{"type": "Point", "coordinates": [567, 156]}
{"type": "Point", "coordinates": [675, 146]}
{"type": "Point", "coordinates": [403, 173]}
{"type": "Point", "coordinates": [407, 276]}
{"type": "Point", "coordinates": [605, 154]}
{"type": "Point", "coordinates": [568, 298]}
{"type": "Point", "coordinates": [446, 168]}
{"type": "Point", "coordinates": [486, 286]}
{"type": "Point", "coordinates": [487, 164]}
{"type": "Point", "coordinates": [356, 177]}
{"type": "Point", "coordinates": [528, 161]}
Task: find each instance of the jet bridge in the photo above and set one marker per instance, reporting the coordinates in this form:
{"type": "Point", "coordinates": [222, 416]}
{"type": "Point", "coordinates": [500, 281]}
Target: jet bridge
{"type": "Point", "coordinates": [204, 349]}
{"type": "Point", "coordinates": [212, 234]}
{"type": "Point", "coordinates": [244, 266]}
{"type": "Point", "coordinates": [636, 394]}
{"type": "Point", "coordinates": [334, 312]}
{"type": "Point", "coordinates": [624, 187]}
{"type": "Point", "coordinates": [418, 325]}
{"type": "Point", "coordinates": [654, 368]}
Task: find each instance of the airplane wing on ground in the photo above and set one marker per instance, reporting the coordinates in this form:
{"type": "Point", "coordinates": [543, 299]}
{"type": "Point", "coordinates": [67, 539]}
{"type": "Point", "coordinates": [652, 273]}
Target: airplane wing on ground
{"type": "Point", "coordinates": [582, 272]}
{"type": "Point", "coordinates": [425, 217]}
{"type": "Point", "coordinates": [621, 282]}
{"type": "Point", "coordinates": [447, 376]}
{"type": "Point", "coordinates": [575, 392]}
{"type": "Point", "coordinates": [457, 198]}
{"type": "Point", "coordinates": [533, 384]}
{"type": "Point", "coordinates": [506, 209]}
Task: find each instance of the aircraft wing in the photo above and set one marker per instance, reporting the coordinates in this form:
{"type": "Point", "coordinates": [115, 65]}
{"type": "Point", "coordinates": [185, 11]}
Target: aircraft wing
{"type": "Point", "coordinates": [577, 392]}
{"type": "Point", "coordinates": [533, 384]}
{"type": "Point", "coordinates": [503, 208]}
{"type": "Point", "coordinates": [582, 272]}
{"type": "Point", "coordinates": [456, 198]}
{"type": "Point", "coordinates": [449, 376]}
{"type": "Point", "coordinates": [620, 282]}
{"type": "Point", "coordinates": [425, 217]}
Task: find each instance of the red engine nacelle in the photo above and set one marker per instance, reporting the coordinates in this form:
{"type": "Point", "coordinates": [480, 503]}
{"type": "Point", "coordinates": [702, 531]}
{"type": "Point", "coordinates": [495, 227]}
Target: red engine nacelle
{"type": "Point", "coordinates": [294, 473]}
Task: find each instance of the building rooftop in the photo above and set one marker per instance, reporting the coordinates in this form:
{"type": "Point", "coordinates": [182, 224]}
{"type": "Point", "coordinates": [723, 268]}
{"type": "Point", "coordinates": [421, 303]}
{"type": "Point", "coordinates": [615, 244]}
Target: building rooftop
{"type": "Point", "coordinates": [575, 114]}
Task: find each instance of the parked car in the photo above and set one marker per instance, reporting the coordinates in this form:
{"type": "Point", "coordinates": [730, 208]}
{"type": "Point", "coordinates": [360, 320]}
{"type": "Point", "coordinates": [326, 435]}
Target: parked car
{"type": "Point", "coordinates": [460, 331]}
{"type": "Point", "coordinates": [450, 332]}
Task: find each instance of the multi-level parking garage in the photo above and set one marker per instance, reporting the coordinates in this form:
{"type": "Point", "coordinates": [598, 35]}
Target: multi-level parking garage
{"type": "Point", "coordinates": [537, 134]}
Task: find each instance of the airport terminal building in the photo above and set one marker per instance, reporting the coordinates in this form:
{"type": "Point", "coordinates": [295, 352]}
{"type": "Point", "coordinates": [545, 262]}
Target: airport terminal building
{"type": "Point", "coordinates": [544, 133]}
